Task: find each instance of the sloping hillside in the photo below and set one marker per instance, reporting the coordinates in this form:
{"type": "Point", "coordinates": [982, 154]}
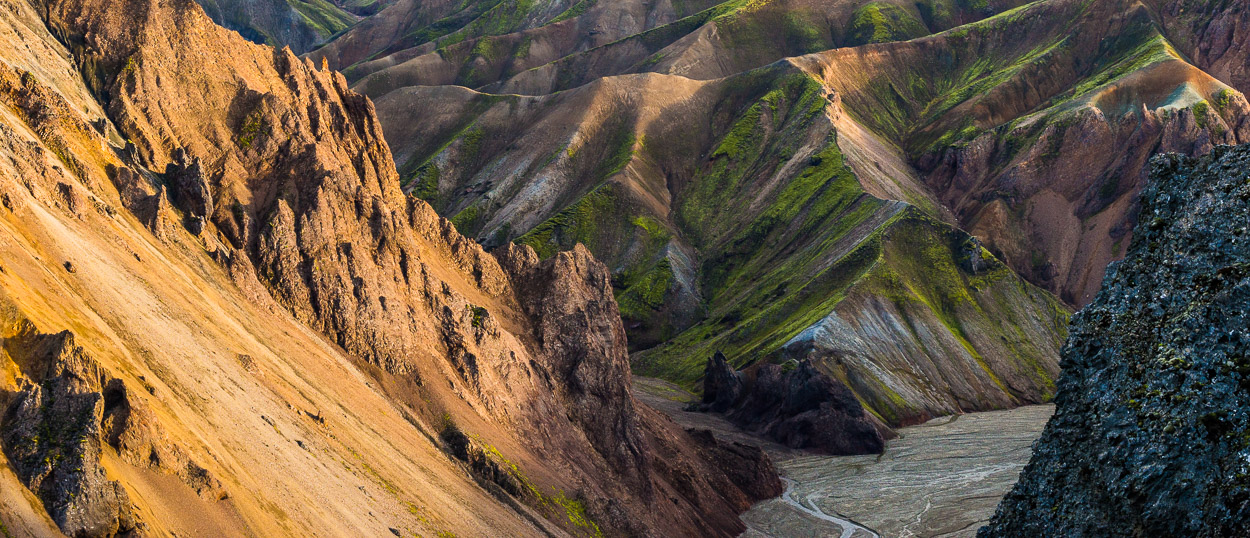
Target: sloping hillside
{"type": "Point", "coordinates": [985, 116]}
{"type": "Point", "coordinates": [220, 315]}
{"type": "Point", "coordinates": [754, 214]}
{"type": "Point", "coordinates": [531, 48]}
{"type": "Point", "coordinates": [746, 249]}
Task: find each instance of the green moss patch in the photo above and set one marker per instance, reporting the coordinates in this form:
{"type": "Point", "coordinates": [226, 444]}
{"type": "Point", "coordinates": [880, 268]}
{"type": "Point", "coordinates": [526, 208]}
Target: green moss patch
{"type": "Point", "coordinates": [325, 18]}
{"type": "Point", "coordinates": [579, 223]}
{"type": "Point", "coordinates": [879, 22]}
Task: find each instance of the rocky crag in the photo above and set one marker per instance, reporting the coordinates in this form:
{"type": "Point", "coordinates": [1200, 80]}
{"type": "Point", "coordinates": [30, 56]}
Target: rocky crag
{"type": "Point", "coordinates": [1151, 429]}
{"type": "Point", "coordinates": [207, 262]}
{"type": "Point", "coordinates": [793, 404]}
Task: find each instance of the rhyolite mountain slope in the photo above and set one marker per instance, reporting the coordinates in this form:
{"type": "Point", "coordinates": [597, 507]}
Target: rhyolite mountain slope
{"type": "Point", "coordinates": [810, 207]}
{"type": "Point", "coordinates": [1151, 428]}
{"type": "Point", "coordinates": [540, 47]}
{"type": "Point", "coordinates": [985, 111]}
{"type": "Point", "coordinates": [748, 248]}
{"type": "Point", "coordinates": [220, 314]}
{"type": "Point", "coordinates": [302, 25]}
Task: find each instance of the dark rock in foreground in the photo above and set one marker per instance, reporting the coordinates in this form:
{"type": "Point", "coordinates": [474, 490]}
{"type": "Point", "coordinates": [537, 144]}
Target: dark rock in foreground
{"type": "Point", "coordinates": [747, 466]}
{"type": "Point", "coordinates": [799, 407]}
{"type": "Point", "coordinates": [1151, 435]}
{"type": "Point", "coordinates": [51, 434]}
{"type": "Point", "coordinates": [55, 428]}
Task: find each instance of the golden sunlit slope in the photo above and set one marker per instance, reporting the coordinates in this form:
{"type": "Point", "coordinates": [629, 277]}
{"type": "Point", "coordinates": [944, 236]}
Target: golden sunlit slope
{"type": "Point", "coordinates": [215, 274]}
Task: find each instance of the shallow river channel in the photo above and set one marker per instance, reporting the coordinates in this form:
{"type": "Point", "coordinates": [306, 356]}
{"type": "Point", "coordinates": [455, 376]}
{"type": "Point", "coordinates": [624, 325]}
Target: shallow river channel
{"type": "Point", "coordinates": [942, 478]}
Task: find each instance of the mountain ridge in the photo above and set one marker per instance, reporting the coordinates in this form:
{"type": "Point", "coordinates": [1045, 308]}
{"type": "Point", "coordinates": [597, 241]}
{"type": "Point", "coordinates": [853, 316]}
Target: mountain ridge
{"type": "Point", "coordinates": [365, 344]}
{"type": "Point", "coordinates": [964, 124]}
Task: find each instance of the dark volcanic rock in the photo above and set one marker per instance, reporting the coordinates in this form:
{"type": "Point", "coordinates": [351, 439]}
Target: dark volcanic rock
{"type": "Point", "coordinates": [971, 257]}
{"type": "Point", "coordinates": [189, 186]}
{"type": "Point", "coordinates": [800, 408]}
{"type": "Point", "coordinates": [722, 385]}
{"type": "Point", "coordinates": [748, 466]}
{"type": "Point", "coordinates": [1151, 435]}
{"type": "Point", "coordinates": [52, 436]}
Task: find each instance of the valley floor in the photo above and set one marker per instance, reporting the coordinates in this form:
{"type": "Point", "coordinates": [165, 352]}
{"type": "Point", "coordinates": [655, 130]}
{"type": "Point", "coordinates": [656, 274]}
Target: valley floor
{"type": "Point", "coordinates": [941, 478]}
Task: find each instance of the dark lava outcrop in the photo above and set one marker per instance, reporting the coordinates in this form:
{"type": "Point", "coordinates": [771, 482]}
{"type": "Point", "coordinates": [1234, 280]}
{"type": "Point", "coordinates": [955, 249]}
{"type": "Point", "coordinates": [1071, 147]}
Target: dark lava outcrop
{"type": "Point", "coordinates": [52, 435]}
{"type": "Point", "coordinates": [1151, 435]}
{"type": "Point", "coordinates": [799, 407]}
{"type": "Point", "coordinates": [56, 425]}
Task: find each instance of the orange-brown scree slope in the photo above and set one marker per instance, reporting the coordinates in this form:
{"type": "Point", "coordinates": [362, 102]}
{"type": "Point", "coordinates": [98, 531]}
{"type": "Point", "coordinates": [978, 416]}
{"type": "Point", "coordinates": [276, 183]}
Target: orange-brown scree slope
{"type": "Point", "coordinates": [221, 315]}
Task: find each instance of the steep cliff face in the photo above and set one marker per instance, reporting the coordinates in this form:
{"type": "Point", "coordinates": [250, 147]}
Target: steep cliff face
{"type": "Point", "coordinates": [276, 276]}
{"type": "Point", "coordinates": [1149, 436]}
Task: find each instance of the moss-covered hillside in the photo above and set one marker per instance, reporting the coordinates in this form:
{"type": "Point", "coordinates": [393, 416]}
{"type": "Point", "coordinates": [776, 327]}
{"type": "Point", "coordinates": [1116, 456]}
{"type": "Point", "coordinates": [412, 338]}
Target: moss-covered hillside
{"type": "Point", "coordinates": [1034, 126]}
{"type": "Point", "coordinates": [534, 47]}
{"type": "Point", "coordinates": [749, 246]}
{"type": "Point", "coordinates": [299, 24]}
{"type": "Point", "coordinates": [774, 208]}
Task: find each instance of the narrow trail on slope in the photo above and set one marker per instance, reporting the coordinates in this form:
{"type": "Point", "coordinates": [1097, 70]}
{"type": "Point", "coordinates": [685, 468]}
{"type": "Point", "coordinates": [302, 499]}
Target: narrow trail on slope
{"type": "Point", "coordinates": [809, 507]}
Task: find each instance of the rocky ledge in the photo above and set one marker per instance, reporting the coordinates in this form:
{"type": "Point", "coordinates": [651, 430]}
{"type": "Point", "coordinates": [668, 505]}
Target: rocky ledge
{"type": "Point", "coordinates": [795, 405]}
{"type": "Point", "coordinates": [1151, 435]}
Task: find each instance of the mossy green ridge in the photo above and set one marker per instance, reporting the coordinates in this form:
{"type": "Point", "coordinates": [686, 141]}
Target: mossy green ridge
{"type": "Point", "coordinates": [926, 101]}
{"type": "Point", "coordinates": [775, 261]}
{"type": "Point", "coordinates": [582, 222]}
{"type": "Point", "coordinates": [918, 270]}
{"type": "Point", "coordinates": [300, 24]}
{"type": "Point", "coordinates": [504, 17]}
{"type": "Point", "coordinates": [468, 21]}
{"type": "Point", "coordinates": [762, 238]}
{"type": "Point", "coordinates": [575, 11]}
{"type": "Point", "coordinates": [879, 22]}
{"type": "Point", "coordinates": [323, 16]}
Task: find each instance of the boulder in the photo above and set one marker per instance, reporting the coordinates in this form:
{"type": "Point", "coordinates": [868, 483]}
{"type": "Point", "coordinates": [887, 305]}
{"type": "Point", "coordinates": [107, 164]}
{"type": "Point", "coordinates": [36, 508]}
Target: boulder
{"type": "Point", "coordinates": [795, 405]}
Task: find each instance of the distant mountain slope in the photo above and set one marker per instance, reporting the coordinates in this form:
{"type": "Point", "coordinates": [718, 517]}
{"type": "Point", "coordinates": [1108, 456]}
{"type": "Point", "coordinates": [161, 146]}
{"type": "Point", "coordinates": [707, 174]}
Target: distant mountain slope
{"type": "Point", "coordinates": [220, 314]}
{"type": "Point", "coordinates": [1034, 126]}
{"type": "Point", "coordinates": [728, 208]}
{"type": "Point", "coordinates": [550, 51]}
{"type": "Point", "coordinates": [748, 248]}
{"type": "Point", "coordinates": [300, 24]}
